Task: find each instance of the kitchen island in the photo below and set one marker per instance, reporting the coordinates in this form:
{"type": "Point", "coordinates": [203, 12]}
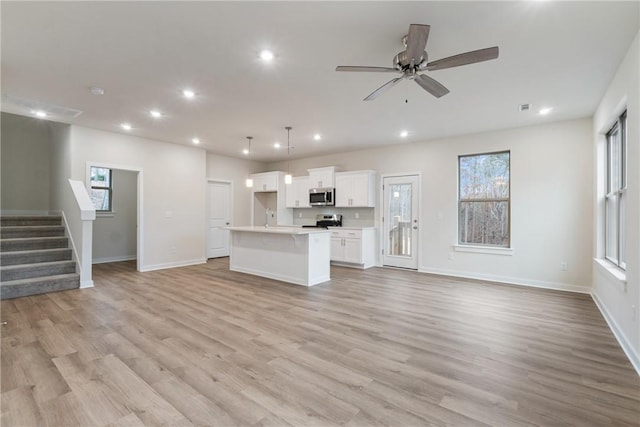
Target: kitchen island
{"type": "Point", "coordinates": [290, 254]}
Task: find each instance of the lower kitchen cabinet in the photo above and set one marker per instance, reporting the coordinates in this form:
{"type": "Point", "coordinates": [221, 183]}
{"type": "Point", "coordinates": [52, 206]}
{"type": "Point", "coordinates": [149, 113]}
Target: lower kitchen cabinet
{"type": "Point", "coordinates": [353, 247]}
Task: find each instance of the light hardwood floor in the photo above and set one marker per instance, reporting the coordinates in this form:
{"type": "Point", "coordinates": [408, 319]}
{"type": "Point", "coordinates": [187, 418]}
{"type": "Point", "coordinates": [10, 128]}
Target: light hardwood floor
{"type": "Point", "coordinates": [205, 346]}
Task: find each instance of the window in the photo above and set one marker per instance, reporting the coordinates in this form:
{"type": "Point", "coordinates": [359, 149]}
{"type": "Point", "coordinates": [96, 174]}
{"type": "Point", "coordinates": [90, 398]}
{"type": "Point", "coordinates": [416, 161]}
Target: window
{"type": "Point", "coordinates": [615, 198]}
{"type": "Point", "coordinates": [484, 199]}
{"type": "Point", "coordinates": [101, 188]}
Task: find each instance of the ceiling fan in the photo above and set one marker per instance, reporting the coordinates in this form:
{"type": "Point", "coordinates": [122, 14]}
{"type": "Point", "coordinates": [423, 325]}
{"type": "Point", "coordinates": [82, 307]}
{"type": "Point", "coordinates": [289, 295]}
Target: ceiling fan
{"type": "Point", "coordinates": [413, 59]}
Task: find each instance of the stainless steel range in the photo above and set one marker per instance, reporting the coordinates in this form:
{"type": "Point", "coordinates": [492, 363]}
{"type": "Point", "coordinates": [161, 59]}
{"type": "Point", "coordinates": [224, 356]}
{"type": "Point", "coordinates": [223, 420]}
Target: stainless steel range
{"type": "Point", "coordinates": [327, 220]}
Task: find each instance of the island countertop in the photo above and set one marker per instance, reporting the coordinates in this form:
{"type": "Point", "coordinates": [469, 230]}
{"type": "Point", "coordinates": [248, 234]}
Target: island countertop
{"type": "Point", "coordinates": [278, 230]}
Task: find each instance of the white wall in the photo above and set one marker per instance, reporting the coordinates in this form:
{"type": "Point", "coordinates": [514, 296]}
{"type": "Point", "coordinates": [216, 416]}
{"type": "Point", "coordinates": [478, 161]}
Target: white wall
{"type": "Point", "coordinates": [235, 170]}
{"type": "Point", "coordinates": [619, 302]}
{"type": "Point", "coordinates": [114, 234]}
{"type": "Point", "coordinates": [25, 164]}
{"type": "Point", "coordinates": [551, 177]}
{"type": "Point", "coordinates": [173, 191]}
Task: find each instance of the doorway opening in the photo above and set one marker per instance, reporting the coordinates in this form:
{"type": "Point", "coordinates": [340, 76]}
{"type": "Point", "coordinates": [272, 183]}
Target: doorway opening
{"type": "Point", "coordinates": [118, 230]}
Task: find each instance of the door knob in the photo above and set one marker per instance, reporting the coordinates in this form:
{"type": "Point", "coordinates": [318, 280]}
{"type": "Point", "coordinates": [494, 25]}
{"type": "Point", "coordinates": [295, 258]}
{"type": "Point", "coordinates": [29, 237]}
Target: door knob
{"type": "Point", "coordinates": [226, 223]}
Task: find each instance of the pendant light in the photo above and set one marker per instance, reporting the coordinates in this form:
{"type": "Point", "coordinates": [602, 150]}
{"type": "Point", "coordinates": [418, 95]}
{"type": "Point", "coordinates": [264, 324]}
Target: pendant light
{"type": "Point", "coordinates": [288, 178]}
{"type": "Point", "coordinates": [249, 181]}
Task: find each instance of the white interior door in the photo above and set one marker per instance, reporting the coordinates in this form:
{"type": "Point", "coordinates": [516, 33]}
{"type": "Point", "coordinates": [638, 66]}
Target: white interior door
{"type": "Point", "coordinates": [400, 221]}
{"type": "Point", "coordinates": [219, 215]}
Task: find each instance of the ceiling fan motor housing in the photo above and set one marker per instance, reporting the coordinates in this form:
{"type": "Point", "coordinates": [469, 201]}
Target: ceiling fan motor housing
{"type": "Point", "coordinates": [402, 61]}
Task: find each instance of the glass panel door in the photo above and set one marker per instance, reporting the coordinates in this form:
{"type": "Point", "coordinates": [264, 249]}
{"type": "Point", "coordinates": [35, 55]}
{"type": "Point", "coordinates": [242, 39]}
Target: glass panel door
{"type": "Point", "coordinates": [401, 221]}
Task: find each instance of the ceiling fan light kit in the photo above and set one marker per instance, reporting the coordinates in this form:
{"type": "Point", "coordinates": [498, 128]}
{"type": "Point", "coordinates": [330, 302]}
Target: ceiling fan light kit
{"type": "Point", "coordinates": [414, 59]}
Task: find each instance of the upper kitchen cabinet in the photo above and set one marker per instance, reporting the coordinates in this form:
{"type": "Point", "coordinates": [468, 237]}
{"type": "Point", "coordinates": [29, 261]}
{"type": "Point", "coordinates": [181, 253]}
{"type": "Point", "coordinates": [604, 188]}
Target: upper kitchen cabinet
{"type": "Point", "coordinates": [322, 177]}
{"type": "Point", "coordinates": [355, 189]}
{"type": "Point", "coordinates": [266, 181]}
{"type": "Point", "coordinates": [298, 192]}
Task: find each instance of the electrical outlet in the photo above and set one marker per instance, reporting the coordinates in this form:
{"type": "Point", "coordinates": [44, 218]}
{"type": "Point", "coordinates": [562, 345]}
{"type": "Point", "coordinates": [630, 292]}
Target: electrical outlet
{"type": "Point", "coordinates": [450, 256]}
{"type": "Point", "coordinates": [173, 250]}
{"type": "Point", "coordinates": [357, 215]}
{"type": "Point", "coordinates": [299, 214]}
{"type": "Point", "coordinates": [634, 313]}
{"type": "Point", "coordinates": [563, 266]}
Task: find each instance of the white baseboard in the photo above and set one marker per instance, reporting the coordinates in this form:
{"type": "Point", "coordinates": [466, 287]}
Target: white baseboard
{"type": "Point", "coordinates": [173, 264]}
{"type": "Point", "coordinates": [508, 280]}
{"type": "Point", "coordinates": [113, 259]}
{"type": "Point", "coordinates": [86, 284]}
{"type": "Point", "coordinates": [632, 355]}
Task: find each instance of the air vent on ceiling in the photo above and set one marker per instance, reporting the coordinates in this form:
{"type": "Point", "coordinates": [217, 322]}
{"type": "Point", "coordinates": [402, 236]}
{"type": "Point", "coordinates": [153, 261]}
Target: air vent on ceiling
{"type": "Point", "coordinates": [524, 107]}
{"type": "Point", "coordinates": [29, 105]}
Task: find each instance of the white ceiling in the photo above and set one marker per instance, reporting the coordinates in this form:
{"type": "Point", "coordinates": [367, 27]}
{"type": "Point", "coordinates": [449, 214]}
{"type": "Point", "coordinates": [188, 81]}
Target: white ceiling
{"type": "Point", "coordinates": [556, 54]}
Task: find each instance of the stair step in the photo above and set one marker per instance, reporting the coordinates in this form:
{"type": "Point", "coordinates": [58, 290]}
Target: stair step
{"type": "Point", "coordinates": [30, 243]}
{"type": "Point", "coordinates": [41, 269]}
{"type": "Point", "coordinates": [29, 220]}
{"type": "Point", "coordinates": [38, 255]}
{"type": "Point", "coordinates": [38, 285]}
{"type": "Point", "coordinates": [12, 232]}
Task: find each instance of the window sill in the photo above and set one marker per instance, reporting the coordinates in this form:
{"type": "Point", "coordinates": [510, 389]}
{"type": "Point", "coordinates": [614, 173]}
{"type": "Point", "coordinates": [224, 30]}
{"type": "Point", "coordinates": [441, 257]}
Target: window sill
{"type": "Point", "coordinates": [617, 273]}
{"type": "Point", "coordinates": [105, 214]}
{"type": "Point", "coordinates": [483, 250]}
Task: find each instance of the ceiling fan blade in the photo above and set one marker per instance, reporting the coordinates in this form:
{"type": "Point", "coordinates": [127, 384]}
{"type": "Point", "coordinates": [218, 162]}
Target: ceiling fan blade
{"type": "Point", "coordinates": [367, 69]}
{"type": "Point", "coordinates": [382, 89]}
{"type": "Point", "coordinates": [432, 86]}
{"type": "Point", "coordinates": [464, 58]}
{"type": "Point", "coordinates": [417, 41]}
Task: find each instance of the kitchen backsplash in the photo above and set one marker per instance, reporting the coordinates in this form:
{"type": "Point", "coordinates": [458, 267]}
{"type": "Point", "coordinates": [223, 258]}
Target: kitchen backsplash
{"type": "Point", "coordinates": [365, 216]}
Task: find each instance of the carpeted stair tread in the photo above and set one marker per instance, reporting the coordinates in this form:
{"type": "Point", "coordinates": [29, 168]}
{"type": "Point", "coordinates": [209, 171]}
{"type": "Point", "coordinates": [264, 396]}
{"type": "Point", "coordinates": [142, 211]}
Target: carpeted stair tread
{"type": "Point", "coordinates": [29, 220]}
{"type": "Point", "coordinates": [39, 285]}
{"type": "Point", "coordinates": [23, 231]}
{"type": "Point", "coordinates": [41, 269]}
{"type": "Point", "coordinates": [34, 256]}
{"type": "Point", "coordinates": [28, 243]}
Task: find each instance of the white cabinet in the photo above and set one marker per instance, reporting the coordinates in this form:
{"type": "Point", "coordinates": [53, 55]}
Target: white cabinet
{"type": "Point", "coordinates": [298, 192]}
{"type": "Point", "coordinates": [267, 181]}
{"type": "Point", "coordinates": [355, 189]}
{"type": "Point", "coordinates": [353, 247]}
{"type": "Point", "coordinates": [322, 177]}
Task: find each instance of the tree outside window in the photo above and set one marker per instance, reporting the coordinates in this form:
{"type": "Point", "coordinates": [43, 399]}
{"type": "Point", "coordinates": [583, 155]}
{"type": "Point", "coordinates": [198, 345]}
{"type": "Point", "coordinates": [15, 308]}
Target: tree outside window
{"type": "Point", "coordinates": [484, 199]}
{"type": "Point", "coordinates": [101, 188]}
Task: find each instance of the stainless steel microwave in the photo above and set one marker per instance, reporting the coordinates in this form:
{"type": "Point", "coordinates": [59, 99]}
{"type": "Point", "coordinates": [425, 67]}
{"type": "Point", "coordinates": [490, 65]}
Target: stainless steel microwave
{"type": "Point", "coordinates": [322, 196]}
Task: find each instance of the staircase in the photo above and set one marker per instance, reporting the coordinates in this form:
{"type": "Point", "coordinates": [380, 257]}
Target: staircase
{"type": "Point", "coordinates": [35, 257]}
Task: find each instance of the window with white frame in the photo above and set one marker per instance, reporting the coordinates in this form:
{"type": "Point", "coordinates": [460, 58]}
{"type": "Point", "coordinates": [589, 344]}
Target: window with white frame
{"type": "Point", "coordinates": [102, 188]}
{"type": "Point", "coordinates": [615, 198]}
{"type": "Point", "coordinates": [484, 199]}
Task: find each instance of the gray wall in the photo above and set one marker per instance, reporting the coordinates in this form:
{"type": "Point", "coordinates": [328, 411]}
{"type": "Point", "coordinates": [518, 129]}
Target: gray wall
{"type": "Point", "coordinates": [25, 164]}
{"type": "Point", "coordinates": [115, 234]}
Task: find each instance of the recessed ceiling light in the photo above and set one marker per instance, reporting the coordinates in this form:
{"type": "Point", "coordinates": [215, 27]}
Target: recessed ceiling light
{"type": "Point", "coordinates": [245, 151]}
{"type": "Point", "coordinates": [545, 111]}
{"type": "Point", "coordinates": [266, 55]}
{"type": "Point", "coordinates": [40, 113]}
{"type": "Point", "coordinates": [188, 93]}
{"type": "Point", "coordinates": [195, 141]}
{"type": "Point", "coordinates": [125, 126]}
{"type": "Point", "coordinates": [155, 114]}
{"type": "Point", "coordinates": [317, 137]}
{"type": "Point", "coordinates": [96, 90]}
{"type": "Point", "coordinates": [404, 134]}
{"type": "Point", "coordinates": [276, 145]}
